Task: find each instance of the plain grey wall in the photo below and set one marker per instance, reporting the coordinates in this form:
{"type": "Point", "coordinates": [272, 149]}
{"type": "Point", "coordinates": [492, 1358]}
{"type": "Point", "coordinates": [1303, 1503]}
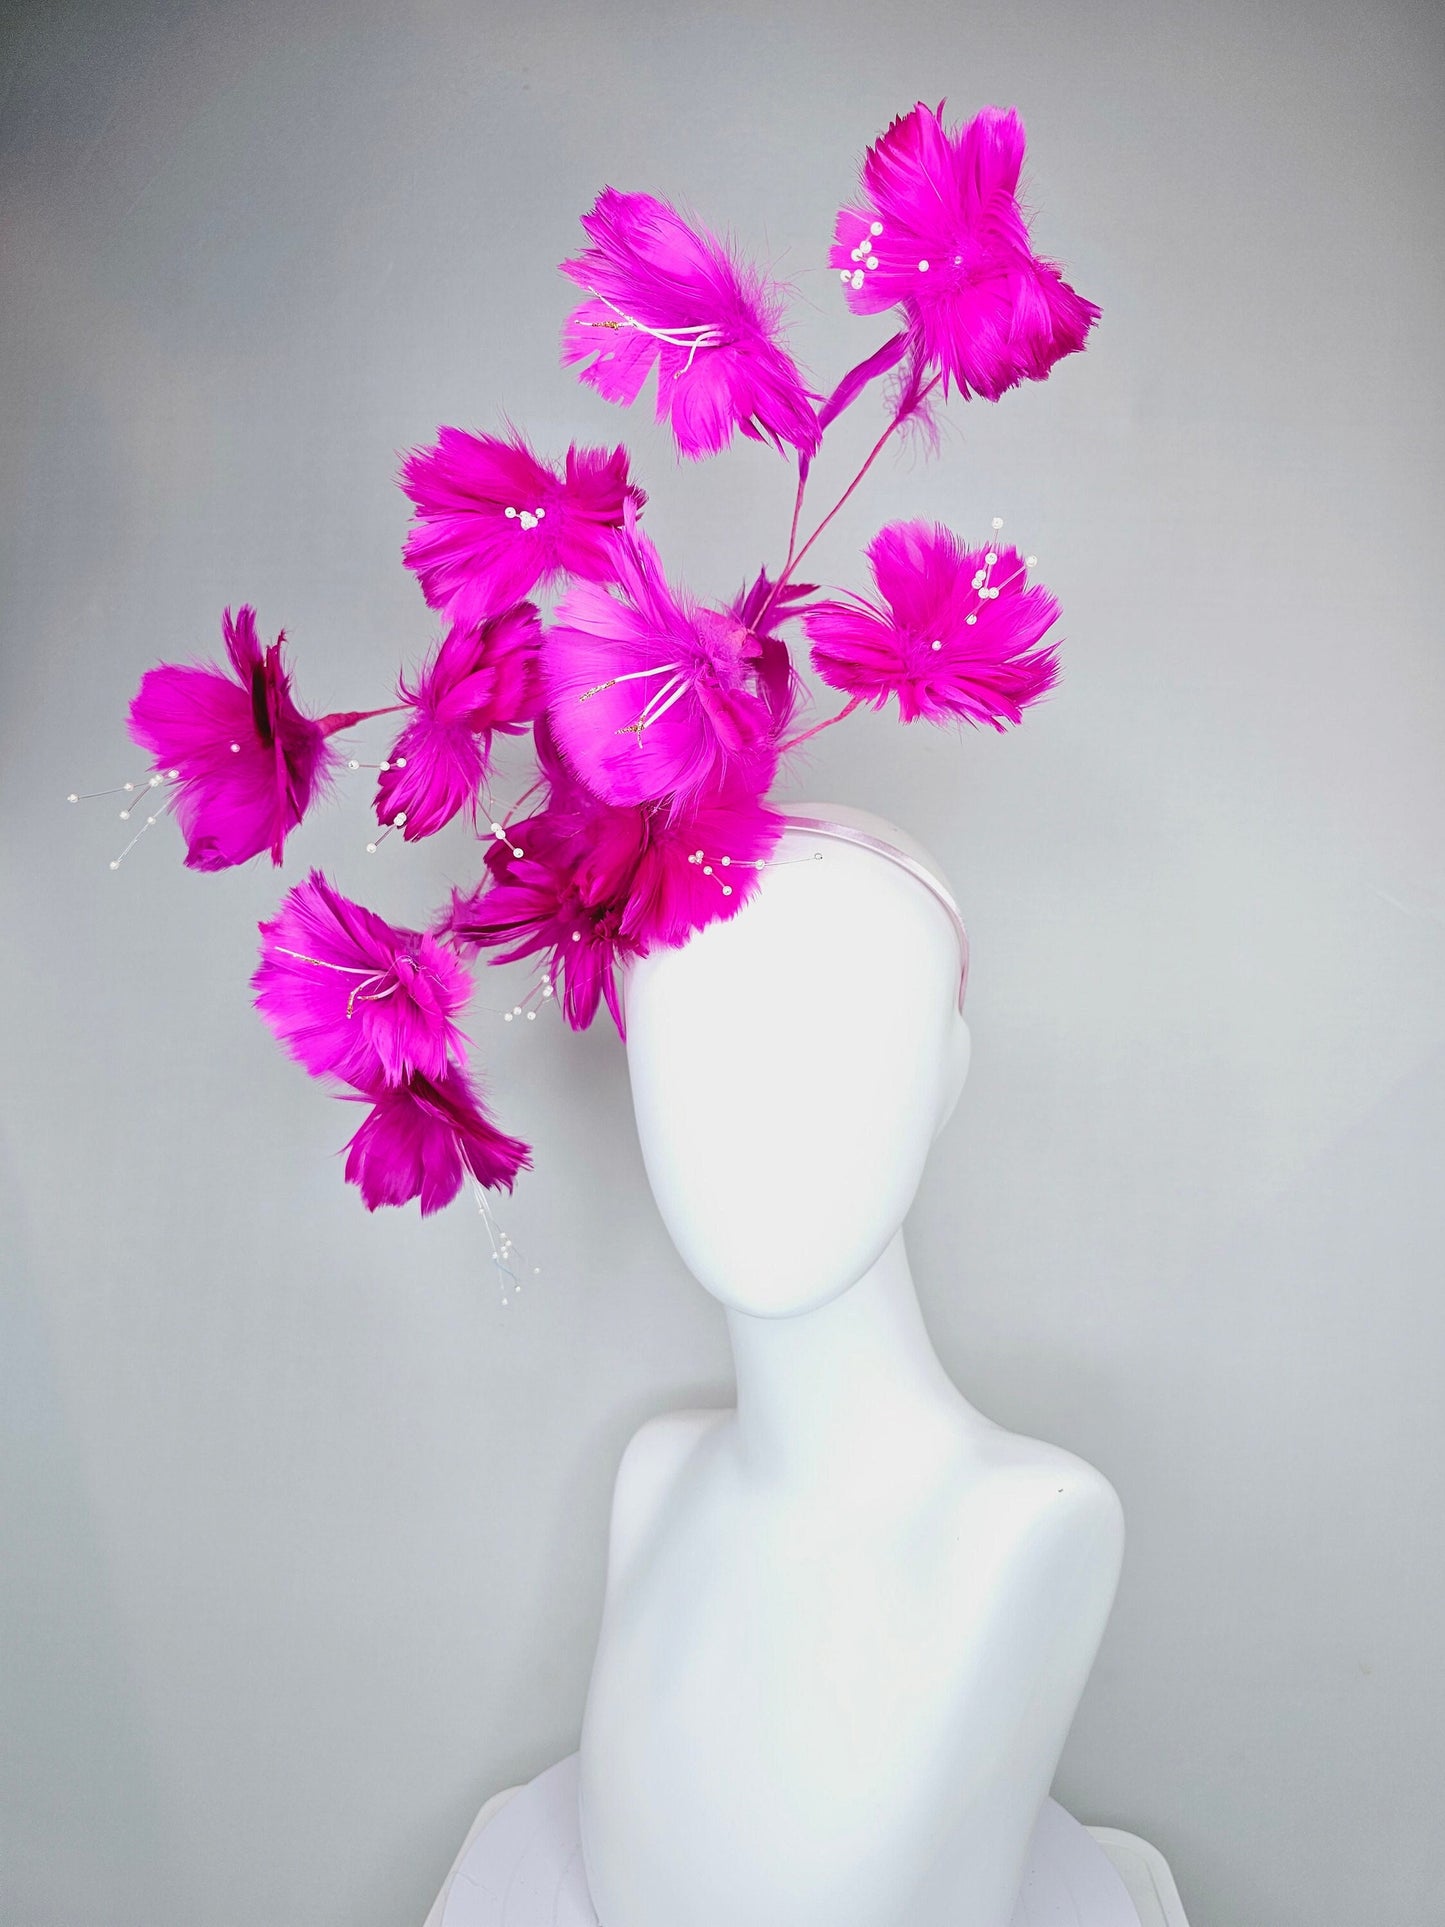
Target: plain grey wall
{"type": "Point", "coordinates": [303, 1531]}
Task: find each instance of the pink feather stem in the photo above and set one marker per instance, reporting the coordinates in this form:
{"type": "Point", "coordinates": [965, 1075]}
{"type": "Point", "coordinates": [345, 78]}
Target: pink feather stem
{"type": "Point", "coordinates": [909, 406]}
{"type": "Point", "coordinates": [880, 362]}
{"type": "Point", "coordinates": [817, 729]}
{"type": "Point", "coordinates": [803, 466]}
{"type": "Point", "coordinates": [341, 719]}
{"type": "Point", "coordinates": [843, 396]}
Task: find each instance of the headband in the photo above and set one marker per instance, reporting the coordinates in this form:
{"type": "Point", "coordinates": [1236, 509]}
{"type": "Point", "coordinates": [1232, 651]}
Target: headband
{"type": "Point", "coordinates": [938, 889]}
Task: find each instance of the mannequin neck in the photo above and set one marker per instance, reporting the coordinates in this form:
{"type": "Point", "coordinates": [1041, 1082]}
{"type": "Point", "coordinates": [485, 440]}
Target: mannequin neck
{"type": "Point", "coordinates": [853, 1387]}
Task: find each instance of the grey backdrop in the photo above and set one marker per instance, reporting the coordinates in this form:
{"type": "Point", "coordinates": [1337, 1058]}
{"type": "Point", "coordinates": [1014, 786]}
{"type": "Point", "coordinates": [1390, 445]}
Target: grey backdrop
{"type": "Point", "coordinates": [303, 1529]}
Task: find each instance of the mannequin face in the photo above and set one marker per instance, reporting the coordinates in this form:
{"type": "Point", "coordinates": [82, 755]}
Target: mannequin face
{"type": "Point", "coordinates": [790, 1069]}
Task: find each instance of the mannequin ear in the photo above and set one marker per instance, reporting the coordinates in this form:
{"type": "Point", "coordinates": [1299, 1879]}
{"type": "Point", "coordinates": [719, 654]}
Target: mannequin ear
{"type": "Point", "coordinates": [958, 1051]}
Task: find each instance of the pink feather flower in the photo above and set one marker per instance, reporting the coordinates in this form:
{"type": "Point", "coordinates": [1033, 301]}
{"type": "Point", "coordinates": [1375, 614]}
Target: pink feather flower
{"type": "Point", "coordinates": [535, 905]}
{"type": "Point", "coordinates": [697, 868]}
{"type": "Point", "coordinates": [247, 762]}
{"type": "Point", "coordinates": [651, 695]}
{"type": "Point", "coordinates": [483, 678]}
{"type": "Point", "coordinates": [421, 1138]}
{"type": "Point", "coordinates": [492, 521]}
{"type": "Point", "coordinates": [942, 235]}
{"type": "Point", "coordinates": [663, 292]}
{"type": "Point", "coordinates": [598, 884]}
{"type": "Point", "coordinates": [352, 996]}
{"type": "Point", "coordinates": [955, 632]}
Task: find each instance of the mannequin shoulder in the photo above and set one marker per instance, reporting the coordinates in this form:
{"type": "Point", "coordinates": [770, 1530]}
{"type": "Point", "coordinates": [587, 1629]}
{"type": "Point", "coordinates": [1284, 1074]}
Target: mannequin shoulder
{"type": "Point", "coordinates": [658, 1450]}
{"type": "Point", "coordinates": [1064, 1504]}
{"type": "Point", "coordinates": [1045, 1466]}
{"type": "Point", "coordinates": [650, 1467]}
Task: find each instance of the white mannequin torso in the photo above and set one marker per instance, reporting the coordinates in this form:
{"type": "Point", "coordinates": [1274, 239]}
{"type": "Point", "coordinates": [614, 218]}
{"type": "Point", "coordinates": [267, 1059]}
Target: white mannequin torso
{"type": "Point", "coordinates": [846, 1625]}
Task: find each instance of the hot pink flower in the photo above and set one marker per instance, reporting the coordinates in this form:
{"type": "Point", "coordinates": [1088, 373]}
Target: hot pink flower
{"type": "Point", "coordinates": [650, 695]}
{"type": "Point", "coordinates": [598, 883]}
{"type": "Point", "coordinates": [421, 1137]}
{"type": "Point", "coordinates": [664, 292]}
{"type": "Point", "coordinates": [350, 995]}
{"type": "Point", "coordinates": [483, 677]}
{"type": "Point", "coordinates": [492, 521]}
{"type": "Point", "coordinates": [943, 235]}
{"type": "Point", "coordinates": [955, 632]}
{"type": "Point", "coordinates": [250, 763]}
{"type": "Point", "coordinates": [534, 905]}
{"type": "Point", "coordinates": [697, 868]}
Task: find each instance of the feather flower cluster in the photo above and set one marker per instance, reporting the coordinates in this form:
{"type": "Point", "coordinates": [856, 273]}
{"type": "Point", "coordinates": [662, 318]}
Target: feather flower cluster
{"type": "Point", "coordinates": [353, 997]}
{"type": "Point", "coordinates": [658, 720]}
{"type": "Point", "coordinates": [941, 235]}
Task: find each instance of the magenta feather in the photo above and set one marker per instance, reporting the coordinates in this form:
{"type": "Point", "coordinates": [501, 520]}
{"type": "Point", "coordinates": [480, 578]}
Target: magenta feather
{"type": "Point", "coordinates": [880, 362]}
{"type": "Point", "coordinates": [250, 762]}
{"type": "Point", "coordinates": [651, 695]}
{"type": "Point", "coordinates": [534, 905]}
{"type": "Point", "coordinates": [663, 292]}
{"type": "Point", "coordinates": [697, 868]}
{"type": "Point", "coordinates": [350, 995]}
{"type": "Point", "coordinates": [942, 235]}
{"type": "Point", "coordinates": [762, 608]}
{"type": "Point", "coordinates": [482, 678]}
{"type": "Point", "coordinates": [420, 1139]}
{"type": "Point", "coordinates": [955, 632]}
{"type": "Point", "coordinates": [597, 883]}
{"type": "Point", "coordinates": [493, 522]}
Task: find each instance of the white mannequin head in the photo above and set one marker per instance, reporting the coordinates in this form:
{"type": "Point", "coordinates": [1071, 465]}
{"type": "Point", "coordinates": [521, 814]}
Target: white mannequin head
{"type": "Point", "coordinates": [791, 1067]}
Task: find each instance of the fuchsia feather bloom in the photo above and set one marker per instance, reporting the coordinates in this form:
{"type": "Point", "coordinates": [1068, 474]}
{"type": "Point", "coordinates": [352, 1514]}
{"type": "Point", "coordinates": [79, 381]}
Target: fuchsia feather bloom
{"type": "Point", "coordinates": [483, 677]}
{"type": "Point", "coordinates": [956, 631]}
{"type": "Point", "coordinates": [942, 235]}
{"type": "Point", "coordinates": [598, 883]}
{"type": "Point", "coordinates": [353, 997]}
{"type": "Point", "coordinates": [697, 868]}
{"type": "Point", "coordinates": [250, 762]}
{"type": "Point", "coordinates": [492, 521]}
{"type": "Point", "coordinates": [350, 995]}
{"type": "Point", "coordinates": [419, 1140]}
{"type": "Point", "coordinates": [667, 293]}
{"type": "Point", "coordinates": [534, 904]}
{"type": "Point", "coordinates": [655, 872]}
{"type": "Point", "coordinates": [650, 695]}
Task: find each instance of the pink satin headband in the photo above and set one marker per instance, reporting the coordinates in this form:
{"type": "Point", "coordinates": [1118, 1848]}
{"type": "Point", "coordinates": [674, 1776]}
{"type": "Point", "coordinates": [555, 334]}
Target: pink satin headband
{"type": "Point", "coordinates": [847, 833]}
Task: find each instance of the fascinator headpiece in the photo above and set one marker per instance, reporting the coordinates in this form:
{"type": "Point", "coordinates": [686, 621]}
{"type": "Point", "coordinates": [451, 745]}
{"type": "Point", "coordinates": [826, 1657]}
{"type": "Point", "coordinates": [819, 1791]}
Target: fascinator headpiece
{"type": "Point", "coordinates": [658, 722]}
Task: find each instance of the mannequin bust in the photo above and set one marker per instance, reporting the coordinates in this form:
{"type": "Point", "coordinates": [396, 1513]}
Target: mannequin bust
{"type": "Point", "coordinates": [848, 1623]}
